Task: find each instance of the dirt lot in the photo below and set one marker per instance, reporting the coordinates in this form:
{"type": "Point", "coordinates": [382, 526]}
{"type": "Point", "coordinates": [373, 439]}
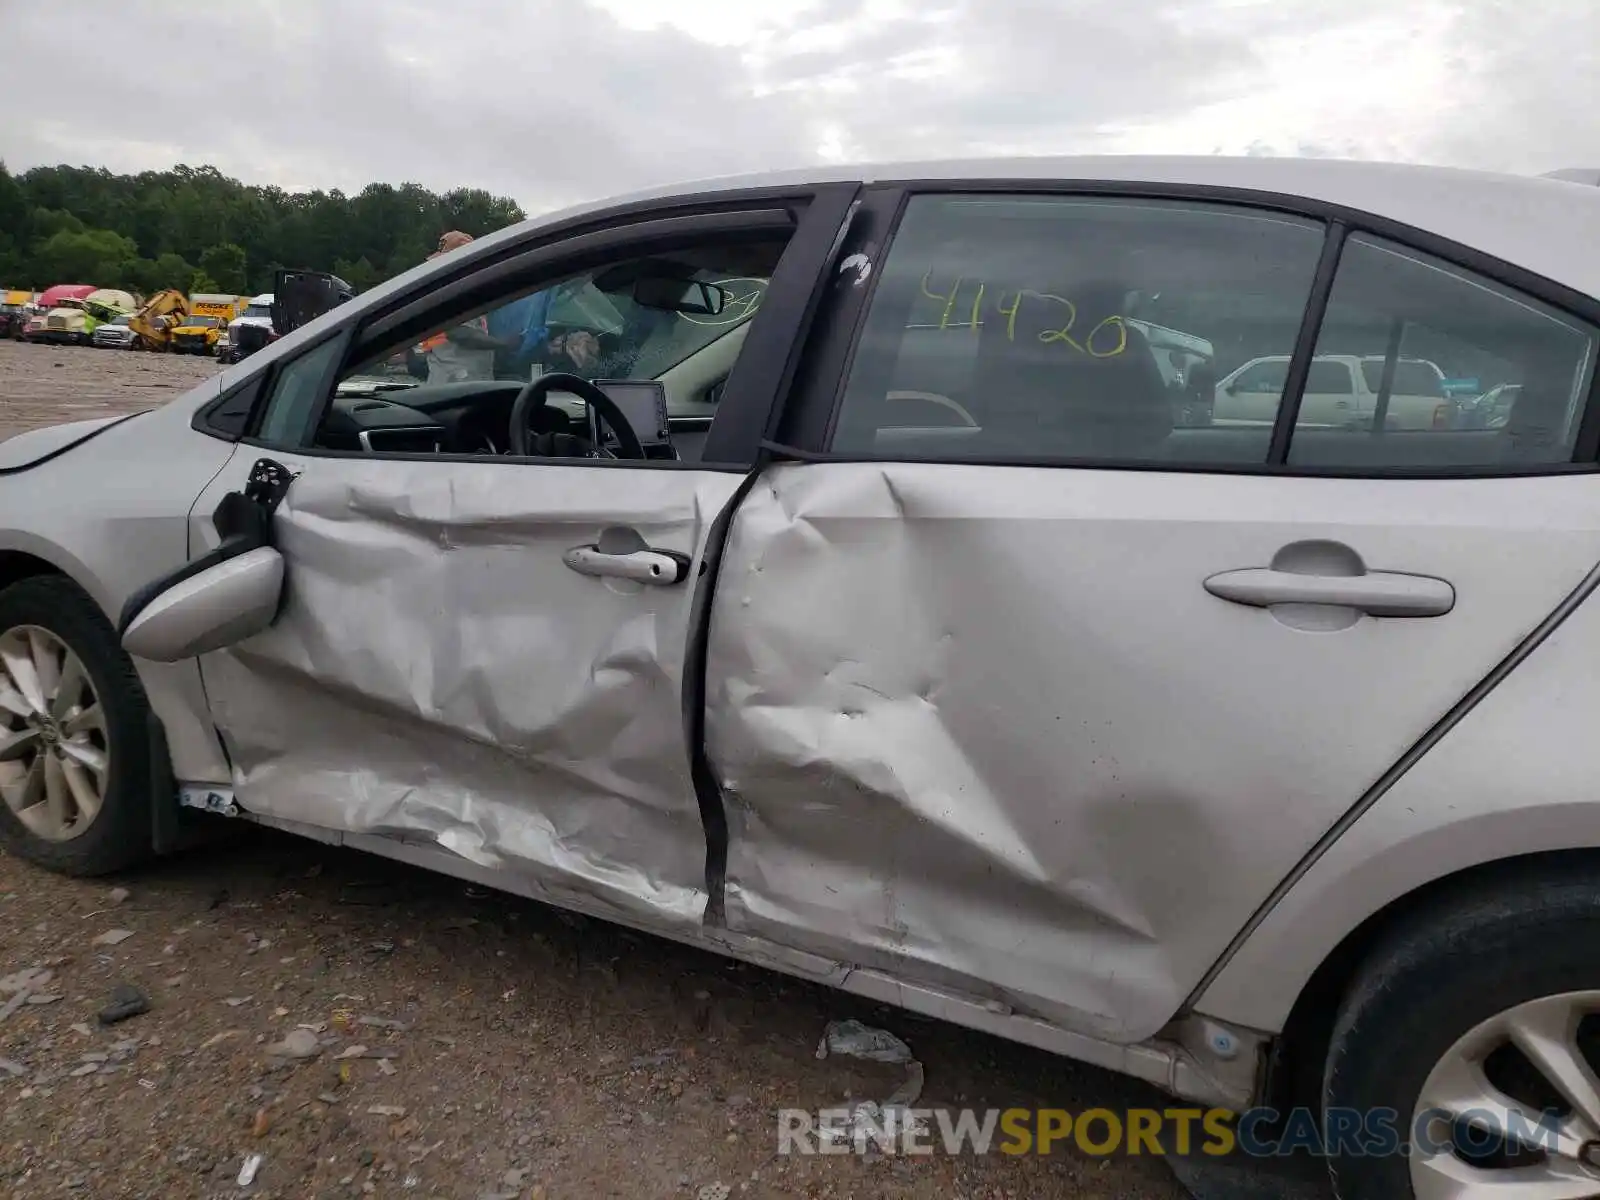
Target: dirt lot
{"type": "Point", "coordinates": [45, 385]}
{"type": "Point", "coordinates": [457, 1044]}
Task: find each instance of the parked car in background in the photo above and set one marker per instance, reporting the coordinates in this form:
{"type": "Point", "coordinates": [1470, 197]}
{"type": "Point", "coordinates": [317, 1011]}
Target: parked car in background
{"type": "Point", "coordinates": [33, 327]}
{"type": "Point", "coordinates": [115, 334]}
{"type": "Point", "coordinates": [1492, 410]}
{"type": "Point", "coordinates": [1253, 759]}
{"type": "Point", "coordinates": [1341, 393]}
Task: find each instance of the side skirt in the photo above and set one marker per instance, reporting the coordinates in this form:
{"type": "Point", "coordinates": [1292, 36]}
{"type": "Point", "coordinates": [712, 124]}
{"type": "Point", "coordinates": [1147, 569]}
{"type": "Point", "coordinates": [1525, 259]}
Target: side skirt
{"type": "Point", "coordinates": [1194, 1059]}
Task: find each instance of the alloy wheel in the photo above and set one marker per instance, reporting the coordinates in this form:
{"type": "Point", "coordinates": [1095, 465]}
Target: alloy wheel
{"type": "Point", "coordinates": [1512, 1109]}
{"type": "Point", "coordinates": [54, 750]}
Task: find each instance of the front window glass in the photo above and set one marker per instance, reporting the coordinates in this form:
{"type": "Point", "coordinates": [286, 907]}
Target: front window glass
{"type": "Point", "coordinates": [637, 319]}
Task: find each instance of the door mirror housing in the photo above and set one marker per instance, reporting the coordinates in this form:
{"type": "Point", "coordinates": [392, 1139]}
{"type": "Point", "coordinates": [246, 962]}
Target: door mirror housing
{"type": "Point", "coordinates": [227, 601]}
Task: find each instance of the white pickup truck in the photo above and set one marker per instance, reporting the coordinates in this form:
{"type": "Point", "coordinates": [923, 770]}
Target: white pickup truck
{"type": "Point", "coordinates": [1341, 393]}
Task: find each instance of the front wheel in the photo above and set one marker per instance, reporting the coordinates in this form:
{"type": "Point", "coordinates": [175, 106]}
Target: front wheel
{"type": "Point", "coordinates": [1473, 1037]}
{"type": "Point", "coordinates": [74, 745]}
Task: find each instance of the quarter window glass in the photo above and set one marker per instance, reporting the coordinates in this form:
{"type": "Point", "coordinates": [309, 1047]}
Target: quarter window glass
{"type": "Point", "coordinates": [1453, 370]}
{"type": "Point", "coordinates": [295, 393]}
{"type": "Point", "coordinates": [1081, 329]}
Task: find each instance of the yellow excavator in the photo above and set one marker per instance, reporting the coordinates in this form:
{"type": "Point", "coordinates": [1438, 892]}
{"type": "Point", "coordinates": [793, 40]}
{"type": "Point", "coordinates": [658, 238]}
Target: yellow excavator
{"type": "Point", "coordinates": [161, 314]}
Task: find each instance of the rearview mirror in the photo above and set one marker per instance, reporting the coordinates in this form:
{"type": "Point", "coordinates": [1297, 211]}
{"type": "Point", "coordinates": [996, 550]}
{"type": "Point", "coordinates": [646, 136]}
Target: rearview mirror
{"type": "Point", "coordinates": [675, 295]}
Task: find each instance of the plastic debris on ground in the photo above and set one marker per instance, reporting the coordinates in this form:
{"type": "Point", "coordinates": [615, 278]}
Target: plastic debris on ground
{"type": "Point", "coordinates": [870, 1120]}
{"type": "Point", "coordinates": [247, 1172]}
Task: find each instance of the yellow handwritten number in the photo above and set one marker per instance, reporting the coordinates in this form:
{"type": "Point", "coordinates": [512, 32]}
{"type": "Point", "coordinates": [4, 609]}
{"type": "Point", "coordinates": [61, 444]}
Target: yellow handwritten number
{"type": "Point", "coordinates": [1107, 339]}
{"type": "Point", "coordinates": [1113, 322]}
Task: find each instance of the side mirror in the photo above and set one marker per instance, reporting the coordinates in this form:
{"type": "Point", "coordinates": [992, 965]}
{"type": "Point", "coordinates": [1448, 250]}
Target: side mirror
{"type": "Point", "coordinates": [224, 603]}
{"type": "Point", "coordinates": [689, 296]}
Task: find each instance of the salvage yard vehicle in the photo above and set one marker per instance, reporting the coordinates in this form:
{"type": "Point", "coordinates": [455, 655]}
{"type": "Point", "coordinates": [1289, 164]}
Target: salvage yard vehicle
{"type": "Point", "coordinates": [153, 324]}
{"type": "Point", "coordinates": [62, 314]}
{"type": "Point", "coordinates": [196, 334]}
{"type": "Point", "coordinates": [236, 344]}
{"type": "Point", "coordinates": [201, 328]}
{"type": "Point", "coordinates": [115, 334]}
{"type": "Point", "coordinates": [1250, 760]}
{"type": "Point", "coordinates": [75, 318]}
{"type": "Point", "coordinates": [15, 306]}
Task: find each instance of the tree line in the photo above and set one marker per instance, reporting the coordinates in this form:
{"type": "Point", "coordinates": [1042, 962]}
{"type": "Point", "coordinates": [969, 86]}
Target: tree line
{"type": "Point", "coordinates": [194, 229]}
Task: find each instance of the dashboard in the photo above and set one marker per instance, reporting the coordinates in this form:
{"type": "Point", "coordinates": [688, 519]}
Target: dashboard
{"type": "Point", "coordinates": [475, 417]}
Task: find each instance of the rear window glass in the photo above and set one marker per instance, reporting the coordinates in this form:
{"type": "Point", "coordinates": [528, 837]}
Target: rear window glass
{"type": "Point", "coordinates": [1410, 378]}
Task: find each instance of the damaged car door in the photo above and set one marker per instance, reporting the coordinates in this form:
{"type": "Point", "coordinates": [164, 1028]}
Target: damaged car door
{"type": "Point", "coordinates": [1027, 696]}
{"type": "Point", "coordinates": [489, 578]}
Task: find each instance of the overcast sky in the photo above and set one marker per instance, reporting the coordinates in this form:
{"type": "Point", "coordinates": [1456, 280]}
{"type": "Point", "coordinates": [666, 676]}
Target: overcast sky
{"type": "Point", "coordinates": [554, 101]}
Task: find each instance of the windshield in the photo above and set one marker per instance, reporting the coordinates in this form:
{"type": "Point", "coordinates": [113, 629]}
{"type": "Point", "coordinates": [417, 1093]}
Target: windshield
{"type": "Point", "coordinates": [659, 341]}
{"type": "Point", "coordinates": [1410, 378]}
{"type": "Point", "coordinates": [122, 320]}
{"type": "Point", "coordinates": [202, 322]}
{"type": "Point", "coordinates": [264, 311]}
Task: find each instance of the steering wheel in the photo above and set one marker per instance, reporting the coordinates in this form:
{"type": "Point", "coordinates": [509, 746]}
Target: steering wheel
{"type": "Point", "coordinates": [533, 397]}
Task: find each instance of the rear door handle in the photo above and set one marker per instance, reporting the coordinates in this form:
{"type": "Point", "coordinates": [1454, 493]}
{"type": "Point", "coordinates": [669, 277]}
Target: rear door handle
{"type": "Point", "coordinates": [1376, 593]}
{"type": "Point", "coordinates": [660, 568]}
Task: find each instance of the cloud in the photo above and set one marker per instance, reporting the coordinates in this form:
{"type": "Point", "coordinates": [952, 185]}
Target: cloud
{"type": "Point", "coordinates": [553, 101]}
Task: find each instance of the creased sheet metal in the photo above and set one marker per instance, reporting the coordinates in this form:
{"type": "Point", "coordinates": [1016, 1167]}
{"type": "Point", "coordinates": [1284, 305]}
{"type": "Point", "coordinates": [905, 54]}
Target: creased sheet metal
{"type": "Point", "coordinates": [983, 728]}
{"type": "Point", "coordinates": [438, 674]}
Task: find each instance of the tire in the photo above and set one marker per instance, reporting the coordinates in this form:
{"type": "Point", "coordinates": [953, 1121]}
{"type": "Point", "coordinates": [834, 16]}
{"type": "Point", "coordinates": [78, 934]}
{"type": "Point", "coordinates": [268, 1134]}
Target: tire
{"type": "Point", "coordinates": [120, 834]}
{"type": "Point", "coordinates": [1449, 968]}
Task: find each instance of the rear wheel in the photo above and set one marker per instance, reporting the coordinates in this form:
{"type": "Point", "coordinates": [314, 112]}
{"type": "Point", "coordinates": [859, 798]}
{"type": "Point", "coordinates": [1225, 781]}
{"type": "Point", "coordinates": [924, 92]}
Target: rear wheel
{"type": "Point", "coordinates": [74, 749]}
{"type": "Point", "coordinates": [1476, 1027]}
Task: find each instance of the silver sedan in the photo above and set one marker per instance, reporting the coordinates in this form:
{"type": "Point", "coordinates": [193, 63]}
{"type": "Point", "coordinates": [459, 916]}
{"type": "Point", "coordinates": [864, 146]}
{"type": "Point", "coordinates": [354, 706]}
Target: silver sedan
{"type": "Point", "coordinates": [828, 570]}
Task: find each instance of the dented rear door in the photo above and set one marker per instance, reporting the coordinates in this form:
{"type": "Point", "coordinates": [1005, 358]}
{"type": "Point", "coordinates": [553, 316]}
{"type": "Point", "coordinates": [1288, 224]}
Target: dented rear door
{"type": "Point", "coordinates": [1027, 693]}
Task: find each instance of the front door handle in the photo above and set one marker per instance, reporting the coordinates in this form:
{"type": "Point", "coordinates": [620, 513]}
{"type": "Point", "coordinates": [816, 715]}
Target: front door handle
{"type": "Point", "coordinates": [1376, 593]}
{"type": "Point", "coordinates": [660, 568]}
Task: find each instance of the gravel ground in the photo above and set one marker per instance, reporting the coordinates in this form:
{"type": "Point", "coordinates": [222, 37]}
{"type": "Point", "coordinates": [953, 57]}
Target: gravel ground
{"type": "Point", "coordinates": [45, 385]}
{"type": "Point", "coordinates": [460, 1044]}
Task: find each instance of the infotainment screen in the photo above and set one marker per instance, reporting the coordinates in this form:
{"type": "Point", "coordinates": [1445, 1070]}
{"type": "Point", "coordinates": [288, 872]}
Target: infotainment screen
{"type": "Point", "coordinates": [643, 402]}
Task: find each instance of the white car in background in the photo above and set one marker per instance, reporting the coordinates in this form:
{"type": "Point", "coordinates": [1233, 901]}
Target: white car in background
{"type": "Point", "coordinates": [1341, 392]}
{"type": "Point", "coordinates": [114, 334]}
{"type": "Point", "coordinates": [1253, 758]}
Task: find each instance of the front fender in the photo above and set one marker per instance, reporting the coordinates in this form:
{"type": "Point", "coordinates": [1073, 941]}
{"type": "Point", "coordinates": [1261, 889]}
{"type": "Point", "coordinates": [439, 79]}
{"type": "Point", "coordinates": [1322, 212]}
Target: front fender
{"type": "Point", "coordinates": [63, 560]}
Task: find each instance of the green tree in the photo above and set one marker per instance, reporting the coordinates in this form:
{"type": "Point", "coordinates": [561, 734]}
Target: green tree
{"type": "Point", "coordinates": [226, 264]}
{"type": "Point", "coordinates": [172, 271]}
{"type": "Point", "coordinates": [190, 216]}
{"type": "Point", "coordinates": [199, 281]}
{"type": "Point", "coordinates": [96, 256]}
{"type": "Point", "coordinates": [360, 275]}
